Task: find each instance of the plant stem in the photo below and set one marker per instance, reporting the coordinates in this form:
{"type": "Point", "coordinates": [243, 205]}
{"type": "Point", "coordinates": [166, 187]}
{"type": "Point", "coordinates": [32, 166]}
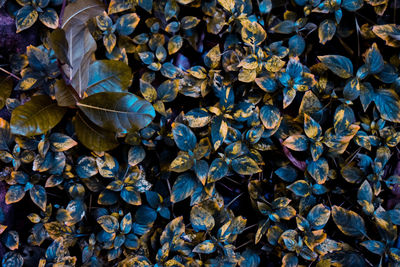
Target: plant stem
{"type": "Point", "coordinates": [11, 74]}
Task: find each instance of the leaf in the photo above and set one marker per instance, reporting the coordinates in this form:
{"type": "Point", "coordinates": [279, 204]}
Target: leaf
{"type": "Point", "coordinates": [38, 196]}
{"type": "Point", "coordinates": [339, 65]}
{"type": "Point", "coordinates": [81, 44]}
{"type": "Point", "coordinates": [131, 196]}
{"type": "Point", "coordinates": [349, 222]}
{"type": "Point", "coordinates": [352, 5]}
{"type": "Point", "coordinates": [296, 142]}
{"type": "Point", "coordinates": [206, 247]}
{"type": "Point", "coordinates": [92, 136]}
{"type": "Point", "coordinates": [252, 33]}
{"type": "Point", "coordinates": [168, 90]}
{"type": "Point", "coordinates": [109, 223]}
{"type": "Point", "coordinates": [25, 18]}
{"type": "Point", "coordinates": [245, 165]}
{"type": "Point", "coordinates": [311, 128]}
{"type": "Point", "coordinates": [219, 130]}
{"type": "Point", "coordinates": [174, 44]}
{"type": "Point", "coordinates": [284, 27]}
{"type": "Point", "coordinates": [287, 173]}
{"type": "Point", "coordinates": [127, 23]}
{"type": "Point", "coordinates": [218, 170]}
{"type": "Point", "coordinates": [228, 5]}
{"type": "Point", "coordinates": [49, 18]}
{"type": "Point", "coordinates": [108, 76]}
{"type": "Point", "coordinates": [182, 162]}
{"type": "Point", "coordinates": [198, 117]}
{"type": "Point", "coordinates": [300, 188]}
{"type": "Point", "coordinates": [6, 137]}
{"type": "Point", "coordinates": [36, 116]}
{"type": "Point", "coordinates": [14, 194]}
{"type": "Point", "coordinates": [183, 187]}
{"type": "Point", "coordinates": [326, 31]}
{"type": "Point", "coordinates": [117, 111]}
{"type": "Point", "coordinates": [213, 57]}
{"type": "Point", "coordinates": [388, 32]}
{"type": "Point", "coordinates": [136, 154]}
{"type": "Point", "coordinates": [184, 137]}
{"type": "Point", "coordinates": [12, 259]}
{"type": "Point", "coordinates": [388, 104]}
{"type": "Point", "coordinates": [318, 216]}
{"type": "Point", "coordinates": [270, 116]}
{"type": "Point", "coordinates": [7, 85]}
{"type": "Point", "coordinates": [374, 246]}
{"type": "Point", "coordinates": [201, 219]}
{"type": "Point", "coordinates": [11, 240]}
{"type": "Point", "coordinates": [373, 59]}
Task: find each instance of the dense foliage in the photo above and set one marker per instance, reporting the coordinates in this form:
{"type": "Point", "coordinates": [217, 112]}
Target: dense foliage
{"type": "Point", "coordinates": [201, 133]}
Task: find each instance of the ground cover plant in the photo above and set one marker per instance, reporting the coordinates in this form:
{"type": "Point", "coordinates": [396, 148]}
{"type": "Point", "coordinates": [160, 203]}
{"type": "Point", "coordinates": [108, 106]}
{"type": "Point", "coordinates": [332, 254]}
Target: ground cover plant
{"type": "Point", "coordinates": [199, 133]}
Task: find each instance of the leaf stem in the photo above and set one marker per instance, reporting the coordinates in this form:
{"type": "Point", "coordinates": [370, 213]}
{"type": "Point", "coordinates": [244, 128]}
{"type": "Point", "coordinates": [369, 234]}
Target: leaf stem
{"type": "Point", "coordinates": [11, 74]}
{"type": "Point", "coordinates": [233, 200]}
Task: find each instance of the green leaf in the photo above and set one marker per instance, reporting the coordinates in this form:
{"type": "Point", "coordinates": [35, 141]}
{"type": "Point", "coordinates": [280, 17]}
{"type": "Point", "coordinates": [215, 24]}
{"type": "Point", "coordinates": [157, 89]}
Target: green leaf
{"type": "Point", "coordinates": [318, 216]}
{"type": "Point", "coordinates": [201, 219]}
{"type": "Point", "coordinates": [25, 18]}
{"type": "Point", "coordinates": [92, 136]}
{"type": "Point", "coordinates": [184, 137]}
{"type": "Point", "coordinates": [388, 104]}
{"type": "Point", "coordinates": [206, 247]}
{"type": "Point", "coordinates": [109, 223]}
{"type": "Point", "coordinates": [36, 116]}
{"type": "Point", "coordinates": [14, 194]}
{"type": "Point", "coordinates": [339, 65]}
{"type": "Point", "coordinates": [319, 170]}
{"type": "Point", "coordinates": [108, 76]}
{"type": "Point", "coordinates": [38, 196]}
{"type": "Point", "coordinates": [374, 246]}
{"type": "Point", "coordinates": [326, 31]}
{"type": "Point", "coordinates": [183, 187]}
{"type": "Point", "coordinates": [349, 222]}
{"type": "Point", "coordinates": [49, 18]}
{"type": "Point", "coordinates": [117, 111]}
{"type": "Point", "coordinates": [245, 165]}
{"type": "Point", "coordinates": [296, 142]}
{"type": "Point", "coordinates": [127, 23]}
{"type": "Point", "coordinates": [270, 116]}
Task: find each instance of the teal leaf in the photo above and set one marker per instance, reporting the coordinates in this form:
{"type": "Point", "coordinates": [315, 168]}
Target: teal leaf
{"type": "Point", "coordinates": [25, 18]}
{"type": "Point", "coordinates": [374, 246]}
{"type": "Point", "coordinates": [318, 216]}
{"type": "Point", "coordinates": [319, 170]}
{"type": "Point", "coordinates": [183, 187]}
{"type": "Point", "coordinates": [12, 259]}
{"type": "Point", "coordinates": [49, 18]}
{"type": "Point", "coordinates": [270, 116]}
{"type": "Point", "coordinates": [108, 76]}
{"type": "Point", "coordinates": [219, 130]}
{"type": "Point", "coordinates": [39, 196]}
{"type": "Point", "coordinates": [245, 165]}
{"type": "Point", "coordinates": [326, 31]}
{"type": "Point", "coordinates": [300, 188]}
{"type": "Point", "coordinates": [184, 137]}
{"type": "Point", "coordinates": [296, 142]}
{"type": "Point", "coordinates": [109, 223]}
{"type": "Point", "coordinates": [136, 154]}
{"type": "Point", "coordinates": [339, 65]}
{"type": "Point", "coordinates": [127, 23]}
{"type": "Point", "coordinates": [11, 240]}
{"type": "Point", "coordinates": [349, 222]}
{"type": "Point", "coordinates": [352, 5]}
{"type": "Point", "coordinates": [121, 112]}
{"type": "Point", "coordinates": [131, 196]}
{"type": "Point", "coordinates": [388, 104]}
{"type": "Point", "coordinates": [218, 170]}
{"type": "Point", "coordinates": [205, 247]}
{"type": "Point", "coordinates": [126, 223]}
{"type": "Point", "coordinates": [14, 194]}
{"type": "Point", "coordinates": [374, 60]}
{"type": "Point", "coordinates": [201, 219]}
{"type": "Point", "coordinates": [287, 173]}
{"type": "Point", "coordinates": [198, 117]}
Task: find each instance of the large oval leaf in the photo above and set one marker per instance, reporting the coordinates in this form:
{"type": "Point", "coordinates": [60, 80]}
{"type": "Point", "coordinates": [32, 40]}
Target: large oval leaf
{"type": "Point", "coordinates": [36, 116]}
{"type": "Point", "coordinates": [92, 136]}
{"type": "Point", "coordinates": [108, 76]}
{"type": "Point", "coordinates": [349, 222]}
{"type": "Point", "coordinates": [117, 111]}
